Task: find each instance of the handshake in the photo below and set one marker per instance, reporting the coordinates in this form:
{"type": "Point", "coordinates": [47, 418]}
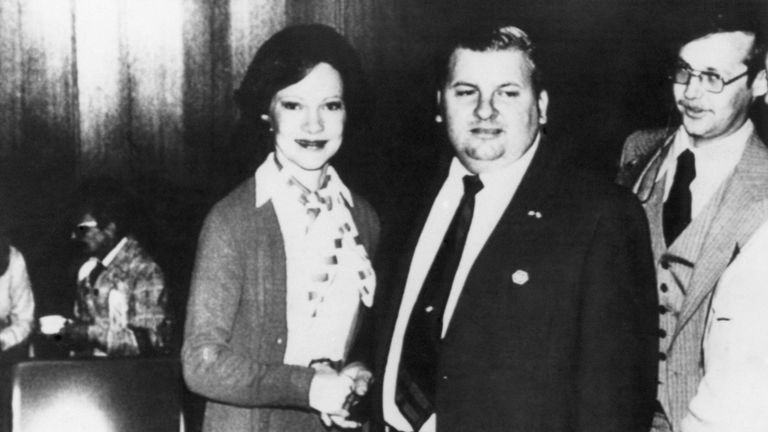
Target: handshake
{"type": "Point", "coordinates": [334, 391]}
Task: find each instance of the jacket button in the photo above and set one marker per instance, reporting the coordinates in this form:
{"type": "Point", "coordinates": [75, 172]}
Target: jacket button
{"type": "Point", "coordinates": [665, 264]}
{"type": "Point", "coordinates": [663, 287]}
{"type": "Point", "coordinates": [662, 333]}
{"type": "Point", "coordinates": [662, 356]}
{"type": "Point", "coordinates": [445, 377]}
{"type": "Point", "coordinates": [663, 309]}
{"type": "Point", "coordinates": [279, 341]}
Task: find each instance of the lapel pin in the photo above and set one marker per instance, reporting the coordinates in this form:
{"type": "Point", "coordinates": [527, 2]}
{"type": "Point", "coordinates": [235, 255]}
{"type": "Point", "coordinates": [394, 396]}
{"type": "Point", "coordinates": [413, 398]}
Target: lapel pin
{"type": "Point", "coordinates": [520, 277]}
{"type": "Point", "coordinates": [534, 213]}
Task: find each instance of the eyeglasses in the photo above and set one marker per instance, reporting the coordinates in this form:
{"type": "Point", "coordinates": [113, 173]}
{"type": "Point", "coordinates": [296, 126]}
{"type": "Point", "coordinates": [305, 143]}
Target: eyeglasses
{"type": "Point", "coordinates": [709, 81]}
{"type": "Point", "coordinates": [87, 225]}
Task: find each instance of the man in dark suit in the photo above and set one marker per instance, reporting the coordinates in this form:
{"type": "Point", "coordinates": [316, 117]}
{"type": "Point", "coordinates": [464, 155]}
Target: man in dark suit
{"type": "Point", "coordinates": [527, 301]}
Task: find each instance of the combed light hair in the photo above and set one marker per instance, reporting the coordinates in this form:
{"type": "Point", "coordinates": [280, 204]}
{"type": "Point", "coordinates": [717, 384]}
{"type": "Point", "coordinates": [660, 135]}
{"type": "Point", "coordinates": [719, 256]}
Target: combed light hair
{"type": "Point", "coordinates": [512, 37]}
{"type": "Point", "coordinates": [491, 38]}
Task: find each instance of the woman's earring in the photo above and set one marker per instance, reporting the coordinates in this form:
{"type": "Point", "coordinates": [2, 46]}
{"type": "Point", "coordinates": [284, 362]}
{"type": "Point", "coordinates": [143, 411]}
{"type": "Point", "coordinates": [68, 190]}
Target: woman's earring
{"type": "Point", "coordinates": [265, 118]}
{"type": "Point", "coordinates": [438, 118]}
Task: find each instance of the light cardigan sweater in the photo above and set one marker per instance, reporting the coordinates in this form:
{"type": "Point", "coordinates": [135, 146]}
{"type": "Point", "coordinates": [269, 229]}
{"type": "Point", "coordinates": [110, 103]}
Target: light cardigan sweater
{"type": "Point", "coordinates": [235, 332]}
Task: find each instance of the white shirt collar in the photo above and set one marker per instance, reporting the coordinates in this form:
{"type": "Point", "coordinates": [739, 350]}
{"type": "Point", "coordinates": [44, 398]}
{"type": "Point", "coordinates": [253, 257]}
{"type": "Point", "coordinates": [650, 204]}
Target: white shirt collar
{"type": "Point", "coordinates": [270, 181]}
{"type": "Point", "coordinates": [87, 267]}
{"type": "Point", "coordinates": [726, 152]}
{"type": "Point", "coordinates": [113, 253]}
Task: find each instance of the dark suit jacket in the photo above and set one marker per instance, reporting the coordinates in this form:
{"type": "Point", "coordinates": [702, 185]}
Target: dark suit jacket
{"type": "Point", "coordinates": [573, 348]}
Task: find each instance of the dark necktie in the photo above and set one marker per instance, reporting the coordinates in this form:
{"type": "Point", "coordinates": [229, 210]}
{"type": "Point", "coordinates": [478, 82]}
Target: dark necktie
{"type": "Point", "coordinates": [417, 376]}
{"type": "Point", "coordinates": [677, 208]}
{"type": "Point", "coordinates": [98, 269]}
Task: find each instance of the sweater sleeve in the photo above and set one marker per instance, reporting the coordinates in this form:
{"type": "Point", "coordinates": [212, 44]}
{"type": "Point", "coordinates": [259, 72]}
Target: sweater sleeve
{"type": "Point", "coordinates": [212, 366]}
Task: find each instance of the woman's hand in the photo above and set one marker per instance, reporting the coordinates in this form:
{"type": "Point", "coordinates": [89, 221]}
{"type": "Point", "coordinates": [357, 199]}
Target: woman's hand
{"type": "Point", "coordinates": [328, 390]}
{"type": "Point", "coordinates": [327, 394]}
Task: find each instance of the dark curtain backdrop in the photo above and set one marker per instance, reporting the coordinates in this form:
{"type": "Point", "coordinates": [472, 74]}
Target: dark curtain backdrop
{"type": "Point", "coordinates": [142, 90]}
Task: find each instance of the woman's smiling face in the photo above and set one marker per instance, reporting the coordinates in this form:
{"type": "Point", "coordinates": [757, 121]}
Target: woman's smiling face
{"type": "Point", "coordinates": [308, 119]}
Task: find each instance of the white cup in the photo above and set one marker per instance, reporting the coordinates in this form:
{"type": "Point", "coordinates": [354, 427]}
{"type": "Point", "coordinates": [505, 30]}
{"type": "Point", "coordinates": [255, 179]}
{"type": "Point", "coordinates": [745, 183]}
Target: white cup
{"type": "Point", "coordinates": [52, 324]}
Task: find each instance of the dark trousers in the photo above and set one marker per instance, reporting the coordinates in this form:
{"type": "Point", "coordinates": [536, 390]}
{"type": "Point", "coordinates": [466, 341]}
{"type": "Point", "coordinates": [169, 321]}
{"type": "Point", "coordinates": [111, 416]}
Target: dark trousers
{"type": "Point", "coordinates": [8, 359]}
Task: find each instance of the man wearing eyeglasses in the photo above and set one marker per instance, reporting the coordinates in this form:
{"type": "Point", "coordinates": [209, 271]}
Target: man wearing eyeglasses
{"type": "Point", "coordinates": [704, 187]}
{"type": "Point", "coordinates": [120, 300]}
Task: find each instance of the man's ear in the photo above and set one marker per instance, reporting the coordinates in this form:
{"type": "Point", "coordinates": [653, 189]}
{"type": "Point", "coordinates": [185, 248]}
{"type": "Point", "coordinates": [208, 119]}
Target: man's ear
{"type": "Point", "coordinates": [543, 103]}
{"type": "Point", "coordinates": [439, 101]}
{"type": "Point", "coordinates": [110, 230]}
{"type": "Point", "coordinates": [760, 85]}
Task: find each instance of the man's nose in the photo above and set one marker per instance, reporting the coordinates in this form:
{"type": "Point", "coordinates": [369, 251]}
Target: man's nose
{"type": "Point", "coordinates": [485, 109]}
{"type": "Point", "coordinates": [694, 88]}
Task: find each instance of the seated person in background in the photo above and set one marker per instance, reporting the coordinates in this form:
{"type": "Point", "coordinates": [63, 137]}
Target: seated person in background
{"type": "Point", "coordinates": [17, 305]}
{"type": "Point", "coordinates": [120, 301]}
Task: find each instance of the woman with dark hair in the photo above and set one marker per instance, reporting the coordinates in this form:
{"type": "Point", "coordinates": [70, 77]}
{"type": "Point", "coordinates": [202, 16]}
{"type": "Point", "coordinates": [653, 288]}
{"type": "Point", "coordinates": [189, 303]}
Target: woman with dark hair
{"type": "Point", "coordinates": [281, 61]}
{"type": "Point", "coordinates": [282, 277]}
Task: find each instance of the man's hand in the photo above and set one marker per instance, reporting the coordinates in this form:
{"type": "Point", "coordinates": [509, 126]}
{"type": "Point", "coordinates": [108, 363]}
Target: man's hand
{"type": "Point", "coordinates": [341, 422]}
{"type": "Point", "coordinates": [75, 333]}
{"type": "Point", "coordinates": [361, 376]}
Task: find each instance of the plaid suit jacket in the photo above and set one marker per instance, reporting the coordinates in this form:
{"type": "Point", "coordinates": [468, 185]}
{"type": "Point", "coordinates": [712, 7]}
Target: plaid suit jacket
{"type": "Point", "coordinates": [733, 214]}
{"type": "Point", "coordinates": [139, 278]}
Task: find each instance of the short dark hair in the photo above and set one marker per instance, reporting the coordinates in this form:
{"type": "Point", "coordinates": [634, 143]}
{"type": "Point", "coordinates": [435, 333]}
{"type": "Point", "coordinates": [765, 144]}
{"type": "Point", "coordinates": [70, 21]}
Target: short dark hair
{"type": "Point", "coordinates": [490, 37]}
{"type": "Point", "coordinates": [107, 200]}
{"type": "Point", "coordinates": [726, 17]}
{"type": "Point", "coordinates": [288, 56]}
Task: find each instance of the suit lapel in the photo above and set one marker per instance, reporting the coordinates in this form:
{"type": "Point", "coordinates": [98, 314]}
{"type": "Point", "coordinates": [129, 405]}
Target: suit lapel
{"type": "Point", "coordinates": [396, 287]}
{"type": "Point", "coordinates": [743, 209]}
{"type": "Point", "coordinates": [644, 153]}
{"type": "Point", "coordinates": [535, 186]}
{"type": "Point", "coordinates": [647, 182]}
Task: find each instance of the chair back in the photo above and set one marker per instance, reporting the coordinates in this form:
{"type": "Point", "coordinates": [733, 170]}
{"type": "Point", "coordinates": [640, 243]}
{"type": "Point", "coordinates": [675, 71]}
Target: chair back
{"type": "Point", "coordinates": [97, 395]}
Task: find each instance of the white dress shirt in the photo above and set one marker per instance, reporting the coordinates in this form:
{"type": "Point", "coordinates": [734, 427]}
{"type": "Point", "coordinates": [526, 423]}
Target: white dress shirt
{"type": "Point", "coordinates": [714, 162]}
{"type": "Point", "coordinates": [498, 189]}
{"type": "Point", "coordinates": [326, 333]}
{"type": "Point", "coordinates": [17, 305]}
{"type": "Point", "coordinates": [733, 394]}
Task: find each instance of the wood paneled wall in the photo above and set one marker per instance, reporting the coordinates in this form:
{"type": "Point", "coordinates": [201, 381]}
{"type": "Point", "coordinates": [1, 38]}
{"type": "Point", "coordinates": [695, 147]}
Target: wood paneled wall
{"type": "Point", "coordinates": [143, 88]}
{"type": "Point", "coordinates": [132, 88]}
{"type": "Point", "coordinates": [140, 90]}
